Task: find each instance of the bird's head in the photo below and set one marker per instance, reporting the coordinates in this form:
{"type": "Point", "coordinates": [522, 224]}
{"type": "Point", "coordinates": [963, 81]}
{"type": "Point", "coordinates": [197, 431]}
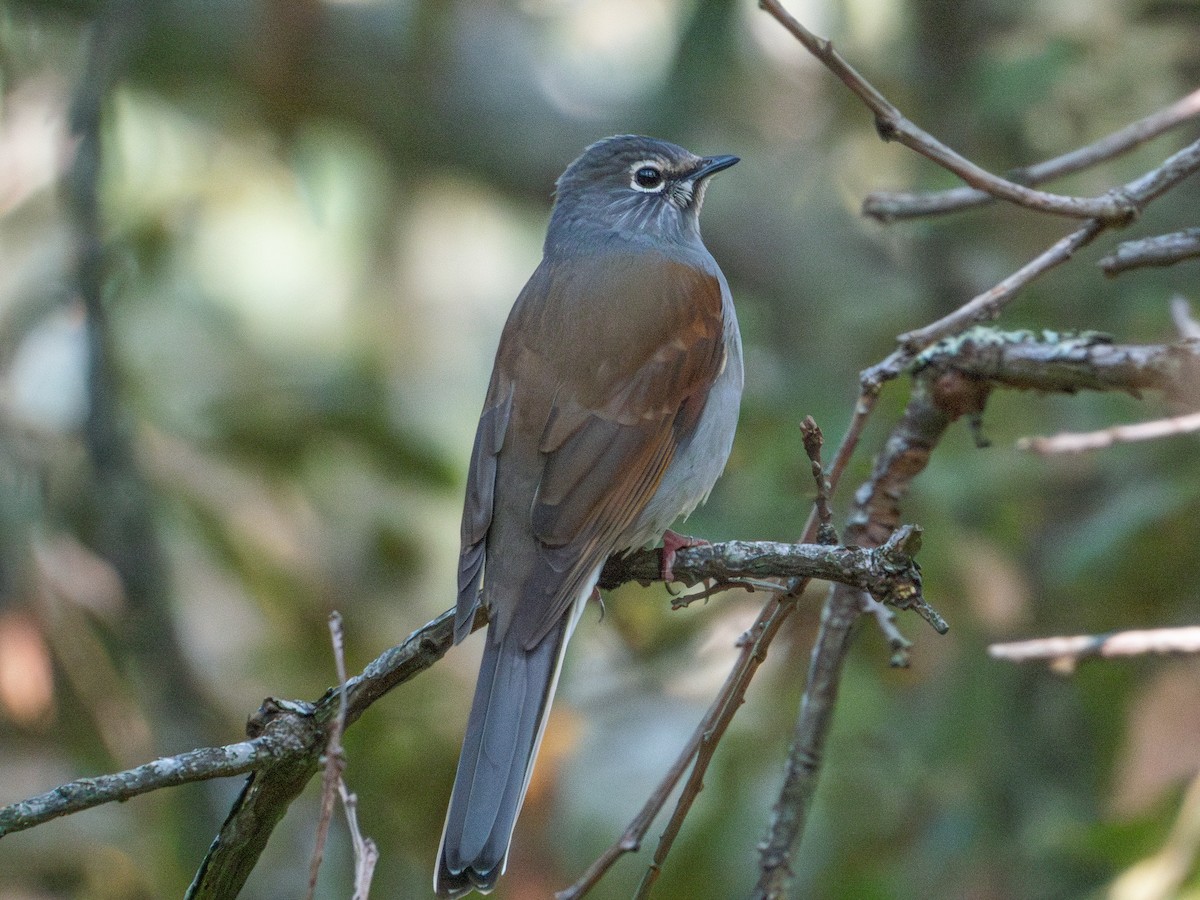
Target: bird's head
{"type": "Point", "coordinates": [637, 187]}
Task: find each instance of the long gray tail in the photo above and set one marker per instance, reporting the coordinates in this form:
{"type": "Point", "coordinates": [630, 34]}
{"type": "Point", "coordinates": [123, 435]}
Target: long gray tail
{"type": "Point", "coordinates": [508, 715]}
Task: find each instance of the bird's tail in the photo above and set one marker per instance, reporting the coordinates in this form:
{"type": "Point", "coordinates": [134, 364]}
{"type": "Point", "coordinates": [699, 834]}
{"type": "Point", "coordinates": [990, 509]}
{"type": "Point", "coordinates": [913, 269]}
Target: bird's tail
{"type": "Point", "coordinates": [509, 713]}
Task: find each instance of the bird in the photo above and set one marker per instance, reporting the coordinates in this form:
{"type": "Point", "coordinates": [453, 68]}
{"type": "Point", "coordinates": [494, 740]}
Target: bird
{"type": "Point", "coordinates": [610, 414]}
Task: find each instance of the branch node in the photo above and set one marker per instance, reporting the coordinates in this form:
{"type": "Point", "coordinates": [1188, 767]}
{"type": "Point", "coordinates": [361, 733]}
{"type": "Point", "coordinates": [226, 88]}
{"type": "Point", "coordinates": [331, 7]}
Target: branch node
{"type": "Point", "coordinates": [886, 129]}
{"type": "Point", "coordinates": [930, 615]}
{"type": "Point", "coordinates": [271, 710]}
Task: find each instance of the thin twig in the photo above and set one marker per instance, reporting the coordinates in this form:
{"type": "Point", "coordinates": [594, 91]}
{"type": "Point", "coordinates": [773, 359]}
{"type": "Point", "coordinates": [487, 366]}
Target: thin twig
{"type": "Point", "coordinates": [813, 440]}
{"type": "Point", "coordinates": [753, 643]}
{"type": "Point", "coordinates": [1111, 208]}
{"type": "Point", "coordinates": [1071, 442]}
{"type": "Point", "coordinates": [335, 758]}
{"type": "Point", "coordinates": [366, 853]}
{"type": "Point", "coordinates": [1140, 192]}
{"type": "Point", "coordinates": [885, 619]}
{"type": "Point", "coordinates": [183, 768]}
{"type": "Point", "coordinates": [750, 585]}
{"type": "Point", "coordinates": [890, 206]}
{"type": "Point", "coordinates": [863, 407]}
{"type": "Point", "coordinates": [987, 306]}
{"type": "Point", "coordinates": [1162, 250]}
{"type": "Point", "coordinates": [1065, 653]}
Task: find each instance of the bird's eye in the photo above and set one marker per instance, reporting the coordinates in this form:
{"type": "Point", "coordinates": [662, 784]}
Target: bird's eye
{"type": "Point", "coordinates": [647, 178]}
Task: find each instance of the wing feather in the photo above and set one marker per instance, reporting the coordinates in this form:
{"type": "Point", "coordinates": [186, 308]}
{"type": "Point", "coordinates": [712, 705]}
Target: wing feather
{"type": "Point", "coordinates": [651, 333]}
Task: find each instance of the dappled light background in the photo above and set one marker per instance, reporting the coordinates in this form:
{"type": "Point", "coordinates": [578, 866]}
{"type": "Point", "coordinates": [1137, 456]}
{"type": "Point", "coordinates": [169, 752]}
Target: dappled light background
{"type": "Point", "coordinates": [316, 216]}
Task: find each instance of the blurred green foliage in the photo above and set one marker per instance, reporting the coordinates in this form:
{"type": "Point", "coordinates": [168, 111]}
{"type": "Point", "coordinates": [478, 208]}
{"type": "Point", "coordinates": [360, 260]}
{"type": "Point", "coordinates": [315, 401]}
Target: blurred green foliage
{"type": "Point", "coordinates": [316, 215]}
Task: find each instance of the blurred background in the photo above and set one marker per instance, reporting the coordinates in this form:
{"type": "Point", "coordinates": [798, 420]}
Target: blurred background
{"type": "Point", "coordinates": [315, 215]}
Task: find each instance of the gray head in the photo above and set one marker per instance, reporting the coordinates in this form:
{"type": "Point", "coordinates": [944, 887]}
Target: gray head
{"type": "Point", "coordinates": [637, 188]}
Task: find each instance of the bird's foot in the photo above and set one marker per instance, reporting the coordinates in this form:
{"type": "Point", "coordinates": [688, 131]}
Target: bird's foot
{"type": "Point", "coordinates": [673, 542]}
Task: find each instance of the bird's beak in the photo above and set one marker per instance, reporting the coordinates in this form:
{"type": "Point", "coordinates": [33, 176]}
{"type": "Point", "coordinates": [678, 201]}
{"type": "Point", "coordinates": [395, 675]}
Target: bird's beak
{"type": "Point", "coordinates": [711, 165]}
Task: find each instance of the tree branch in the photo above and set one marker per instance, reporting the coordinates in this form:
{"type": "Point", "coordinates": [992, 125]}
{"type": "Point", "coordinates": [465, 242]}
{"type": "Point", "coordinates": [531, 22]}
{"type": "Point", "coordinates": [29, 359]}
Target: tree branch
{"type": "Point", "coordinates": [1163, 250]}
{"type": "Point", "coordinates": [1063, 362]}
{"type": "Point", "coordinates": [1140, 191]}
{"type": "Point", "coordinates": [287, 738]}
{"type": "Point", "coordinates": [1112, 208]}
{"type": "Point", "coordinates": [890, 206]}
{"type": "Point", "coordinates": [84, 793]}
{"type": "Point", "coordinates": [883, 572]}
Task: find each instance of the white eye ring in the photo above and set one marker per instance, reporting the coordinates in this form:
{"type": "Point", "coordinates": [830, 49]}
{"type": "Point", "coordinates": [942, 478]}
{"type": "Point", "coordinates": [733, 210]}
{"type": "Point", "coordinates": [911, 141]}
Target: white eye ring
{"type": "Point", "coordinates": [647, 177]}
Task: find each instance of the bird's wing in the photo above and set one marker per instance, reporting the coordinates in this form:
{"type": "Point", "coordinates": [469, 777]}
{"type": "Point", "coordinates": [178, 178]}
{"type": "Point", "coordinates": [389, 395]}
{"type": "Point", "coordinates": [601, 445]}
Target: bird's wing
{"type": "Point", "coordinates": [634, 343]}
{"type": "Point", "coordinates": [479, 504]}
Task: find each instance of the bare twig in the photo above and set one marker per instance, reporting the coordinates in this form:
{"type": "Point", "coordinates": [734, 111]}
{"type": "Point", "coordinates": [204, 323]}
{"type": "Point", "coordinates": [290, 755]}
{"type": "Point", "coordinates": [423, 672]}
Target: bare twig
{"type": "Point", "coordinates": [863, 407]}
{"type": "Point", "coordinates": [813, 440]}
{"type": "Point", "coordinates": [1065, 653]}
{"type": "Point", "coordinates": [1070, 442]}
{"type": "Point", "coordinates": [885, 619]}
{"type": "Point", "coordinates": [987, 306]}
{"type": "Point", "coordinates": [755, 643]}
{"type": "Point", "coordinates": [751, 585]}
{"type": "Point", "coordinates": [334, 757]}
{"type": "Point", "coordinates": [1112, 208]}
{"type": "Point", "coordinates": [1140, 191]}
{"type": "Point", "coordinates": [889, 206]}
{"type": "Point", "coordinates": [1162, 250]}
{"type": "Point", "coordinates": [366, 854]}
{"type": "Point", "coordinates": [184, 768]}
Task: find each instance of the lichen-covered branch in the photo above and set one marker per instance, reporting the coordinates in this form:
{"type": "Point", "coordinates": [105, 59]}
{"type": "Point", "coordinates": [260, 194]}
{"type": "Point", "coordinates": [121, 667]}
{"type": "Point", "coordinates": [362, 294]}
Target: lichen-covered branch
{"type": "Point", "coordinates": [84, 793]}
{"type": "Point", "coordinates": [287, 738]}
{"type": "Point", "coordinates": [886, 573]}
